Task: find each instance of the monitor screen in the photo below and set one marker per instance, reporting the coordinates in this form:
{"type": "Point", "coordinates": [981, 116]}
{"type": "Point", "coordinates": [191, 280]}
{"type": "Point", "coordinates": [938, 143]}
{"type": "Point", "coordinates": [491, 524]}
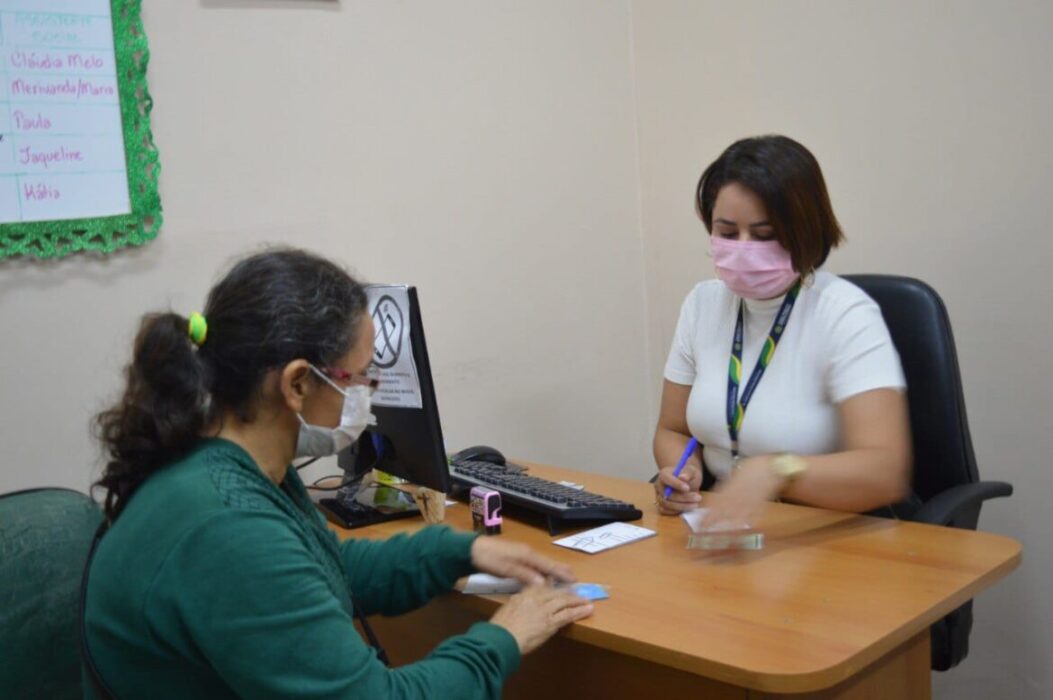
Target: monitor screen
{"type": "Point", "coordinates": [407, 439]}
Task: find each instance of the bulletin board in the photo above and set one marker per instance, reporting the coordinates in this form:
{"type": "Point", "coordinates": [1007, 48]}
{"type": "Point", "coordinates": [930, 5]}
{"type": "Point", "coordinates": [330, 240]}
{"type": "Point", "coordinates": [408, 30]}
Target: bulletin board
{"type": "Point", "coordinates": [78, 166]}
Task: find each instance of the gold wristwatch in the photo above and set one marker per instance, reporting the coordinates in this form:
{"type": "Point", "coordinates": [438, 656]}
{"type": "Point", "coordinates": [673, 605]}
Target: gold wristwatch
{"type": "Point", "coordinates": [788, 466]}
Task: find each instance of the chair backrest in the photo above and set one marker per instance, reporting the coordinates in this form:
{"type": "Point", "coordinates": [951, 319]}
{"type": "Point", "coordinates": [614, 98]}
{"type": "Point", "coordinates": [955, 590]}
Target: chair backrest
{"type": "Point", "coordinates": [921, 331]}
{"type": "Point", "coordinates": [45, 535]}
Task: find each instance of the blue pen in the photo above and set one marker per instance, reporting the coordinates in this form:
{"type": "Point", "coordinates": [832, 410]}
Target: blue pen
{"type": "Point", "coordinates": [691, 445]}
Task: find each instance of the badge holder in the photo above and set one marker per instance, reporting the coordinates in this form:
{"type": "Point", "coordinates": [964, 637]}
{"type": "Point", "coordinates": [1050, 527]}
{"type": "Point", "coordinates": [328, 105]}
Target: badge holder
{"type": "Point", "coordinates": [721, 537]}
{"type": "Point", "coordinates": [723, 542]}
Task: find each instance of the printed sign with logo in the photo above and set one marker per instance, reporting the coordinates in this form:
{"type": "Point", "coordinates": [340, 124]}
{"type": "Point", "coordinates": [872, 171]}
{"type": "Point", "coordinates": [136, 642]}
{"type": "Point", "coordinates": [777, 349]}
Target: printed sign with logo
{"type": "Point", "coordinates": [393, 364]}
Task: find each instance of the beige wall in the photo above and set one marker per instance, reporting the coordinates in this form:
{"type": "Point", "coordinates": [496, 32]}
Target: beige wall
{"type": "Point", "coordinates": [487, 152]}
{"type": "Point", "coordinates": [482, 151]}
{"type": "Point", "coordinates": [932, 122]}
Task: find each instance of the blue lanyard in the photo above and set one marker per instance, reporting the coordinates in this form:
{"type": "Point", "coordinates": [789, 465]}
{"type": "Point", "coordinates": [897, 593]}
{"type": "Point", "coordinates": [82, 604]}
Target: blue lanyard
{"type": "Point", "coordinates": [736, 406]}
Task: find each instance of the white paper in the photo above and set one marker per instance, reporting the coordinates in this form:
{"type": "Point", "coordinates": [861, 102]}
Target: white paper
{"type": "Point", "coordinates": [693, 518]}
{"type": "Point", "coordinates": [392, 348]}
{"type": "Point", "coordinates": [61, 143]}
{"type": "Point", "coordinates": [485, 584]}
{"type": "Point", "coordinates": [606, 537]}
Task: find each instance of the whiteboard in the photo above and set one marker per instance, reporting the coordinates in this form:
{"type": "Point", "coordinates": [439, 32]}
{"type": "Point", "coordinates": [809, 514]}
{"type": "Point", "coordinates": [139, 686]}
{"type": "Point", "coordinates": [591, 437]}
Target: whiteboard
{"type": "Point", "coordinates": [62, 151]}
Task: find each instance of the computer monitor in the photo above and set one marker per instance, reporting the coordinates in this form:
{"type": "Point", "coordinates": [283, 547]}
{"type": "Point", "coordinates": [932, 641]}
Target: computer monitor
{"type": "Point", "coordinates": [407, 438]}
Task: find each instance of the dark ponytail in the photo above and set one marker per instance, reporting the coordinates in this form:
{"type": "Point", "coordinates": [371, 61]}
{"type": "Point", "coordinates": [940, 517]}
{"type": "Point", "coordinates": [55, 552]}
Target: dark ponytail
{"type": "Point", "coordinates": [161, 413]}
{"type": "Point", "coordinates": [270, 309]}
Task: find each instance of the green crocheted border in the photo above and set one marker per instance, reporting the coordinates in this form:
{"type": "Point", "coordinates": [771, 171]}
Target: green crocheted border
{"type": "Point", "coordinates": [52, 239]}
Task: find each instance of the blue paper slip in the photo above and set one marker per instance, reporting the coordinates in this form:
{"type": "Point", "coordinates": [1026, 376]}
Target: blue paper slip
{"type": "Point", "coordinates": [588, 591]}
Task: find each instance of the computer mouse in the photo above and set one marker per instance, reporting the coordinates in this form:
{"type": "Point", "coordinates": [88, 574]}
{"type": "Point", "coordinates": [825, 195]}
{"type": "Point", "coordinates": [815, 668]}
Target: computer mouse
{"type": "Point", "coordinates": [479, 453]}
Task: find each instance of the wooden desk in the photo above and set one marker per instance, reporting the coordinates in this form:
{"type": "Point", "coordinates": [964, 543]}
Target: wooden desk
{"type": "Point", "coordinates": [834, 606]}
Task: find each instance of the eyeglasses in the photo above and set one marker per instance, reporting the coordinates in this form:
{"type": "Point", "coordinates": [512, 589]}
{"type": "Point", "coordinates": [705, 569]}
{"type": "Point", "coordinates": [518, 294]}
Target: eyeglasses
{"type": "Point", "coordinates": [345, 376]}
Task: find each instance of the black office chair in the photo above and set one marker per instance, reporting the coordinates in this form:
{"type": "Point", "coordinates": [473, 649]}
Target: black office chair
{"type": "Point", "coordinates": [947, 488]}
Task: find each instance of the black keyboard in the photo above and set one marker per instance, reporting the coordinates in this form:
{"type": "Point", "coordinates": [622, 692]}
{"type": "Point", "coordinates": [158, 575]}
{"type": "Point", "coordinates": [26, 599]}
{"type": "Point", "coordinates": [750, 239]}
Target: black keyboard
{"type": "Point", "coordinates": [562, 506]}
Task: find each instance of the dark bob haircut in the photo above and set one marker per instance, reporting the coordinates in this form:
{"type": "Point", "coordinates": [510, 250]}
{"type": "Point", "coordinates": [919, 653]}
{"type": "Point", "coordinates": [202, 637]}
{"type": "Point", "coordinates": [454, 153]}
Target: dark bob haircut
{"type": "Point", "coordinates": [787, 178]}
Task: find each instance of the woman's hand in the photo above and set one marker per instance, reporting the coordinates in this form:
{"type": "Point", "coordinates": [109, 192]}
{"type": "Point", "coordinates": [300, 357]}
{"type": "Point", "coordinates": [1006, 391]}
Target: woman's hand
{"type": "Point", "coordinates": [685, 495]}
{"type": "Point", "coordinates": [534, 615]}
{"type": "Point", "coordinates": [741, 496]}
{"type": "Point", "coordinates": [493, 555]}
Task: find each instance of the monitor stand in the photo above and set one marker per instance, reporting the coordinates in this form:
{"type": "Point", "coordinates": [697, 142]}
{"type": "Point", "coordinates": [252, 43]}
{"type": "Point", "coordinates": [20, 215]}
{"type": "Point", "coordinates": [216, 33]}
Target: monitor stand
{"type": "Point", "coordinates": [359, 503]}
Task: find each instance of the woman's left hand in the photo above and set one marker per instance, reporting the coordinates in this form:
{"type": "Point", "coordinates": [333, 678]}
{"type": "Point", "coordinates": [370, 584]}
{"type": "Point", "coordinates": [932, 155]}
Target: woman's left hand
{"type": "Point", "coordinates": [492, 555]}
{"type": "Point", "coordinates": [741, 496]}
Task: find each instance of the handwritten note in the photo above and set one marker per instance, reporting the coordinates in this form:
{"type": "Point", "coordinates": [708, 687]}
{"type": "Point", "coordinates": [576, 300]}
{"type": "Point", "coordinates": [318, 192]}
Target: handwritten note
{"type": "Point", "coordinates": [61, 143]}
{"type": "Point", "coordinates": [606, 537]}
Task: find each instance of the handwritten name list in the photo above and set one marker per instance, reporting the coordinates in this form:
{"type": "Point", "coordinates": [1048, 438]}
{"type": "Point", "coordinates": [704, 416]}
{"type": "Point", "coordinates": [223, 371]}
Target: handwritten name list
{"type": "Point", "coordinates": [61, 142]}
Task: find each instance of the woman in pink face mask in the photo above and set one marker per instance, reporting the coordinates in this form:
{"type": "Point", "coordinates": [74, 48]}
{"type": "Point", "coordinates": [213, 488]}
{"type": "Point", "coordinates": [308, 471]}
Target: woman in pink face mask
{"type": "Point", "coordinates": [785, 375]}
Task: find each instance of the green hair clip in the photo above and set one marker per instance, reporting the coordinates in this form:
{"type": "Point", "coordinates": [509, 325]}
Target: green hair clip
{"type": "Point", "coordinates": [197, 328]}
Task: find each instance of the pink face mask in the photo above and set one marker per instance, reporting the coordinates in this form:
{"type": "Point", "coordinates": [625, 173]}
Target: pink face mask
{"type": "Point", "coordinates": [753, 269]}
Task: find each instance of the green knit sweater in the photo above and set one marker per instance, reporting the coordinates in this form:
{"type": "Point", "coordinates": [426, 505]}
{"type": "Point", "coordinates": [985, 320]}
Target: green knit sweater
{"type": "Point", "coordinates": [215, 583]}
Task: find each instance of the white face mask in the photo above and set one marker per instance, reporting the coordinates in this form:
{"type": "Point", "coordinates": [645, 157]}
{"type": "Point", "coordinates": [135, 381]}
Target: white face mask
{"type": "Point", "coordinates": [355, 417]}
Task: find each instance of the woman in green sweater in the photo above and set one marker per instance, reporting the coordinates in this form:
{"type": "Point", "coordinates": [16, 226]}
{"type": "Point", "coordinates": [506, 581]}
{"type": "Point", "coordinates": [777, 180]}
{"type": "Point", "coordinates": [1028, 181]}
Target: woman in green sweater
{"type": "Point", "coordinates": [218, 578]}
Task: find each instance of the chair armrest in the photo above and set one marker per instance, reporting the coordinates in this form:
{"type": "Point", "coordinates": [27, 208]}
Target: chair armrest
{"type": "Point", "coordinates": [944, 507]}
